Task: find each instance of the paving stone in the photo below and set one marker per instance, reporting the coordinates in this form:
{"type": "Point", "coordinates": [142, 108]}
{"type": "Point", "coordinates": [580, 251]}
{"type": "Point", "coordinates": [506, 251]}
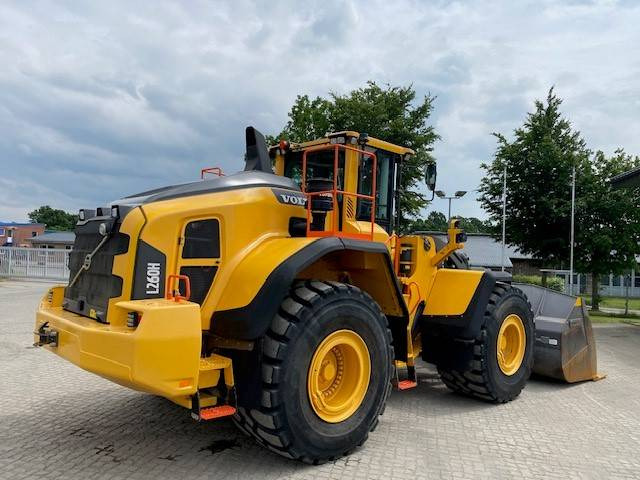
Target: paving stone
{"type": "Point", "coordinates": [57, 421]}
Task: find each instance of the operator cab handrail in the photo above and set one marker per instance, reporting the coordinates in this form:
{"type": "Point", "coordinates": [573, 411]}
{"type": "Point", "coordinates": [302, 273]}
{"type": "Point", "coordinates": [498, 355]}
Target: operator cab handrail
{"type": "Point", "coordinates": [335, 230]}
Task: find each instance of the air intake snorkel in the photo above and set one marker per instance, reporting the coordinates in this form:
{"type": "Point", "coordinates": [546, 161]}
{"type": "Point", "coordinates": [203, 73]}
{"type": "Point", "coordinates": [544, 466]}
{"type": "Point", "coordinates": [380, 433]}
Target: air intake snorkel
{"type": "Point", "coordinates": [320, 204]}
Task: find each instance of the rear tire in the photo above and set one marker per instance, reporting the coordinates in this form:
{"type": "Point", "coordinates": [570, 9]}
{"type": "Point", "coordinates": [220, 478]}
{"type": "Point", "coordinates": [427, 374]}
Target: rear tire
{"type": "Point", "coordinates": [286, 421]}
{"type": "Point", "coordinates": [485, 376]}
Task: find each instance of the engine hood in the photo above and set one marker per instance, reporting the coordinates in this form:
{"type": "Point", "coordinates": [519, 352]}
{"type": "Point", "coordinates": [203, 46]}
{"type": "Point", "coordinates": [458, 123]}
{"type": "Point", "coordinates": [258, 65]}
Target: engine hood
{"type": "Point", "coordinates": [247, 179]}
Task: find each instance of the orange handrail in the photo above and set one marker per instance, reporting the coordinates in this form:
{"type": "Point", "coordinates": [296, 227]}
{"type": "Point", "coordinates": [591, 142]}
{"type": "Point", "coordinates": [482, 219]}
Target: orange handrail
{"type": "Point", "coordinates": [172, 294]}
{"type": "Point", "coordinates": [334, 192]}
{"type": "Point", "coordinates": [212, 170]}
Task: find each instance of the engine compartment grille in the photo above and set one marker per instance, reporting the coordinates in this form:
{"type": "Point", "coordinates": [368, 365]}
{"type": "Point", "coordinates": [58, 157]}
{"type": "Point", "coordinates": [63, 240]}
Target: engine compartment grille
{"type": "Point", "coordinates": [90, 294]}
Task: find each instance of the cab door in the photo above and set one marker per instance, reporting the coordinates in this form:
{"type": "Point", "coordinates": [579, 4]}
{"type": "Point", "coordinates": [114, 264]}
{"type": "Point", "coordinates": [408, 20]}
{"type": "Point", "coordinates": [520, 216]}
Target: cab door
{"type": "Point", "coordinates": [199, 256]}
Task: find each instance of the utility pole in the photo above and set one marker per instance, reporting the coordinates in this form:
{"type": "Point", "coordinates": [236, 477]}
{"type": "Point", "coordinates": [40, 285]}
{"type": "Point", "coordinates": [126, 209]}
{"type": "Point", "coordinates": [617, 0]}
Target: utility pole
{"type": "Point", "coordinates": [573, 208]}
{"type": "Point", "coordinates": [627, 284]}
{"type": "Point", "coordinates": [504, 216]}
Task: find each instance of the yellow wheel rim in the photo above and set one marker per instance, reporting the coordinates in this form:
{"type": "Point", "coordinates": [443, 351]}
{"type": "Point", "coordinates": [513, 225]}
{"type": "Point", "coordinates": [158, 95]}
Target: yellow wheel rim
{"type": "Point", "coordinates": [511, 344]}
{"type": "Point", "coordinates": [338, 376]}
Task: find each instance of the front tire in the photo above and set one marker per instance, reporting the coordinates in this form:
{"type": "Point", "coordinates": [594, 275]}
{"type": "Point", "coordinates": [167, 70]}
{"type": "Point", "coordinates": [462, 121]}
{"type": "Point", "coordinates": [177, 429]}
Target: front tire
{"type": "Point", "coordinates": [503, 352]}
{"type": "Point", "coordinates": [326, 373]}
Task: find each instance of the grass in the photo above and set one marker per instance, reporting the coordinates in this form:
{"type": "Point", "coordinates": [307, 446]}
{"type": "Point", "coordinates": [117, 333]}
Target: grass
{"type": "Point", "coordinates": [615, 302]}
{"type": "Point", "coordinates": [603, 317]}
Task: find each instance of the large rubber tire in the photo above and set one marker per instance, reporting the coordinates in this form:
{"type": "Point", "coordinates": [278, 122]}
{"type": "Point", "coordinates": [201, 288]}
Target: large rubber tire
{"type": "Point", "coordinates": [483, 379]}
{"type": "Point", "coordinates": [286, 422]}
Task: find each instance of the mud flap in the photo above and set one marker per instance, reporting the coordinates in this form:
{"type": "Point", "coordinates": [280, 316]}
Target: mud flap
{"type": "Point", "coordinates": [564, 346]}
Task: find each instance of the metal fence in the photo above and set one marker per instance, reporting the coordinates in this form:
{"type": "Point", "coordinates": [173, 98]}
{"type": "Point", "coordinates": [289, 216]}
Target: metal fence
{"type": "Point", "coordinates": [42, 263]}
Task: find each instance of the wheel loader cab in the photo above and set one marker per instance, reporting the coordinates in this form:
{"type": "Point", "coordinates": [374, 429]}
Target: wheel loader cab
{"type": "Point", "coordinates": [363, 166]}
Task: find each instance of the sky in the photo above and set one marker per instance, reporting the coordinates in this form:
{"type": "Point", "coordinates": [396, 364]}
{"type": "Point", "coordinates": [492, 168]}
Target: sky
{"type": "Point", "coordinates": [99, 100]}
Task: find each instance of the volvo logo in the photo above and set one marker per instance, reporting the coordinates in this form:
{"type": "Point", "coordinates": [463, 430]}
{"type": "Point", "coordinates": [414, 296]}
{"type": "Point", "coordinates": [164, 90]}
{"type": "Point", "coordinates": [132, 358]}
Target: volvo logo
{"type": "Point", "coordinates": [289, 197]}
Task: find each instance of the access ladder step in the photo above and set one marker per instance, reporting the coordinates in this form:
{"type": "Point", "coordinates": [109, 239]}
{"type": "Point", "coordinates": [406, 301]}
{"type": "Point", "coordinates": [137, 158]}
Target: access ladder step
{"type": "Point", "coordinates": [211, 413]}
{"type": "Point", "coordinates": [407, 384]}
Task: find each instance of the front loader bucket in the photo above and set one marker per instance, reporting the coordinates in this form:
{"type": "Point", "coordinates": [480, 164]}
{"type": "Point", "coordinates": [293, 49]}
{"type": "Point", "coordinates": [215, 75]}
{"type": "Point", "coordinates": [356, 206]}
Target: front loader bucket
{"type": "Point", "coordinates": [564, 346]}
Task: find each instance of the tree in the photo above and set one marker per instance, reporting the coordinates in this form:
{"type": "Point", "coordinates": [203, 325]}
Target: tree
{"type": "Point", "coordinates": [54, 219]}
{"type": "Point", "coordinates": [388, 113]}
{"type": "Point", "coordinates": [607, 220]}
{"type": "Point", "coordinates": [474, 225]}
{"type": "Point", "coordinates": [437, 222]}
{"type": "Point", "coordinates": [539, 162]}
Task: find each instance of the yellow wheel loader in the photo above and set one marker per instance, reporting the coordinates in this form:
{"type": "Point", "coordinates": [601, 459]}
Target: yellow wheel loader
{"type": "Point", "coordinates": [281, 296]}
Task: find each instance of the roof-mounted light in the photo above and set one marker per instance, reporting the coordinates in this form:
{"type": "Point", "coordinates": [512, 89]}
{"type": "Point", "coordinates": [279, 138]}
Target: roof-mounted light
{"type": "Point", "coordinates": [284, 145]}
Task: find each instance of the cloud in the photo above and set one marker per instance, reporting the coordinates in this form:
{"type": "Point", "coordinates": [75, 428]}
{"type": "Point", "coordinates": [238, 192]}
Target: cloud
{"type": "Point", "coordinates": [101, 100]}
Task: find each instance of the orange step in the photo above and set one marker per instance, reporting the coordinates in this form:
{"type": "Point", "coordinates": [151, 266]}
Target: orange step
{"type": "Point", "coordinates": [211, 413]}
{"type": "Point", "coordinates": [407, 384]}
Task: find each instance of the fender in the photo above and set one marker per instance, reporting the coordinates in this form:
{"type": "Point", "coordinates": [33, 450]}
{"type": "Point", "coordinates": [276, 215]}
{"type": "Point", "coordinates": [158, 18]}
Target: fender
{"type": "Point", "coordinates": [252, 320]}
{"type": "Point", "coordinates": [450, 338]}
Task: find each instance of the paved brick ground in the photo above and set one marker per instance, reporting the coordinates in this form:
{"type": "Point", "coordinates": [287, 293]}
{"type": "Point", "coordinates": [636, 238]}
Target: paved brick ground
{"type": "Point", "coordinates": [57, 421]}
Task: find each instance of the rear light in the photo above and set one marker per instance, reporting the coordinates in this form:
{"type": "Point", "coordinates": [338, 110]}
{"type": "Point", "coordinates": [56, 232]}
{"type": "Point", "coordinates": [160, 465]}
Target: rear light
{"type": "Point", "coordinates": [133, 319]}
{"type": "Point", "coordinates": [86, 214]}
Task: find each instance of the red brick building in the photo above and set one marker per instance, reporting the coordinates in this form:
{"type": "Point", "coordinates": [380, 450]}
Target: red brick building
{"type": "Point", "coordinates": [16, 234]}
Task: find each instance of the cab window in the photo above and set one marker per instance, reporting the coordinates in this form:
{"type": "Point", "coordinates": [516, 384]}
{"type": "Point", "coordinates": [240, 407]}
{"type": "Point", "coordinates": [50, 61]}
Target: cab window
{"type": "Point", "coordinates": [319, 165]}
{"type": "Point", "coordinates": [384, 187]}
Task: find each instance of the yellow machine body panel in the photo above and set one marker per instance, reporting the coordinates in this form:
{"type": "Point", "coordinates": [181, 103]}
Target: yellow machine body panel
{"type": "Point", "coordinates": [160, 356]}
{"type": "Point", "coordinates": [452, 291]}
{"type": "Point", "coordinates": [253, 240]}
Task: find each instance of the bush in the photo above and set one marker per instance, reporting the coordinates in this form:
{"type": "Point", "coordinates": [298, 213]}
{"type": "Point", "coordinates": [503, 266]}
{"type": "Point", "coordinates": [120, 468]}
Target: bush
{"type": "Point", "coordinates": [554, 283]}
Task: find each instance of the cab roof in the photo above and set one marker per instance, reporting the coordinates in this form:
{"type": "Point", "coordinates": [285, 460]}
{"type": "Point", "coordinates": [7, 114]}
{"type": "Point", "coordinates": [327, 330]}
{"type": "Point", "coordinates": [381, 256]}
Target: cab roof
{"type": "Point", "coordinates": [351, 138]}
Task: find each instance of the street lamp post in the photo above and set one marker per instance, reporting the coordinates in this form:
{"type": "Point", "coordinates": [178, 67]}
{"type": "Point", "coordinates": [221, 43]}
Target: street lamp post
{"type": "Point", "coordinates": [504, 217]}
{"type": "Point", "coordinates": [458, 194]}
{"type": "Point", "coordinates": [573, 209]}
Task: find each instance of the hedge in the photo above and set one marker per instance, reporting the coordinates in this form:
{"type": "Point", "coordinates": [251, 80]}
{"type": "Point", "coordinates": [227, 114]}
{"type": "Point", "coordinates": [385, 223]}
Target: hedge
{"type": "Point", "coordinates": [554, 283]}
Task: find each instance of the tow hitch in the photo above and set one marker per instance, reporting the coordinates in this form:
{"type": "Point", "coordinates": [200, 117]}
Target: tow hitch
{"type": "Point", "coordinates": [46, 336]}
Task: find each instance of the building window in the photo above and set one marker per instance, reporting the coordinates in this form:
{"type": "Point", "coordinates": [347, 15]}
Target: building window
{"type": "Point", "coordinates": [67, 247]}
{"type": "Point", "coordinates": [1, 231]}
{"type": "Point", "coordinates": [605, 280]}
{"type": "Point", "coordinates": [636, 281]}
{"type": "Point", "coordinates": [33, 234]}
{"type": "Point", "coordinates": [616, 280]}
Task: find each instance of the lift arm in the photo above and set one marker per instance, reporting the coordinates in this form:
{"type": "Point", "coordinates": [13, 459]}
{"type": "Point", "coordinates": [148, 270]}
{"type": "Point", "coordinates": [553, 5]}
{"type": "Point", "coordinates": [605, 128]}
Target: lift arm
{"type": "Point", "coordinates": [456, 239]}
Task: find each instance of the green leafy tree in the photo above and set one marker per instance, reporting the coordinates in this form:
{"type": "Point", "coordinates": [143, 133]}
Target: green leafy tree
{"type": "Point", "coordinates": [474, 225]}
{"type": "Point", "coordinates": [607, 219]}
{"type": "Point", "coordinates": [54, 219]}
{"type": "Point", "coordinates": [539, 162]}
{"type": "Point", "coordinates": [437, 222]}
{"type": "Point", "coordinates": [389, 113]}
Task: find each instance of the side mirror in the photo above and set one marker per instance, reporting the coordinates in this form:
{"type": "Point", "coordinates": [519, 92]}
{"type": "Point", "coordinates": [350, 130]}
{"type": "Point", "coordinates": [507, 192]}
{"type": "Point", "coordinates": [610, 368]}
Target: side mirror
{"type": "Point", "coordinates": [430, 176]}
